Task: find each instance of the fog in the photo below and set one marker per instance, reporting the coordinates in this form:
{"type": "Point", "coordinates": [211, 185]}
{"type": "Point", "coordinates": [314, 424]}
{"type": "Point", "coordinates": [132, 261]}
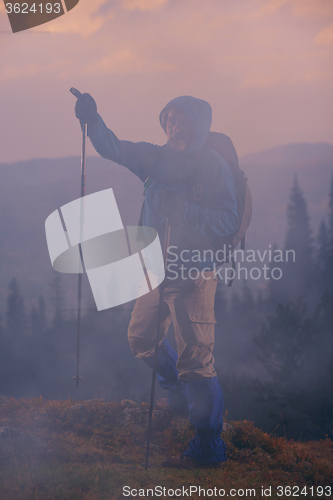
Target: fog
{"type": "Point", "coordinates": [266, 69]}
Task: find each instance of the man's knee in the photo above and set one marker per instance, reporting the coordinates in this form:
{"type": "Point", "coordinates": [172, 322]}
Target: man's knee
{"type": "Point", "coordinates": [196, 361]}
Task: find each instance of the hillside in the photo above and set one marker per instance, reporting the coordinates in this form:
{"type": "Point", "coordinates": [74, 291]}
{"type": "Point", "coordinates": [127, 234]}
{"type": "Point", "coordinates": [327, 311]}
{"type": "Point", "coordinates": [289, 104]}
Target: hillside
{"type": "Point", "coordinates": [31, 190]}
{"type": "Point", "coordinates": [90, 450]}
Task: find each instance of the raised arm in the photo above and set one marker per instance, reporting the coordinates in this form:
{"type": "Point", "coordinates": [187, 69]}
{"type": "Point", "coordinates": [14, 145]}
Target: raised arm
{"type": "Point", "coordinates": [139, 157]}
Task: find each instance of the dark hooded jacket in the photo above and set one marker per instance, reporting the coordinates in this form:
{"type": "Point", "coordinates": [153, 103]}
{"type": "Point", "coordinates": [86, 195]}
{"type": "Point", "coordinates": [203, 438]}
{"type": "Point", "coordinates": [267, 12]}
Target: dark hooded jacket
{"type": "Point", "coordinates": [210, 215]}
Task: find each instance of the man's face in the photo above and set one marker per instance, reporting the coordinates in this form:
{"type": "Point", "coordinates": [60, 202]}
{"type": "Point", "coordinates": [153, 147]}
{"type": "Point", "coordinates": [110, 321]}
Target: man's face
{"type": "Point", "coordinates": [179, 130]}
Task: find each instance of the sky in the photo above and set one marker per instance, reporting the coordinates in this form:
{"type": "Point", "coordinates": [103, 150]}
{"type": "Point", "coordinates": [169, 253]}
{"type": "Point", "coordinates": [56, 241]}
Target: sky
{"type": "Point", "coordinates": [265, 66]}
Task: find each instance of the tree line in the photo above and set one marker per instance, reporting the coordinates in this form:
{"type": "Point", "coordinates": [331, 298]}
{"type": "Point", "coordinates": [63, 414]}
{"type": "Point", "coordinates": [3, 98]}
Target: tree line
{"type": "Point", "coordinates": [274, 350]}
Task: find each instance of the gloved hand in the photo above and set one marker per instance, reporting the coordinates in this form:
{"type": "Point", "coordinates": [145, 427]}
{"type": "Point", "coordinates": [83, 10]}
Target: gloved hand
{"type": "Point", "coordinates": [172, 206]}
{"type": "Point", "coordinates": [86, 109]}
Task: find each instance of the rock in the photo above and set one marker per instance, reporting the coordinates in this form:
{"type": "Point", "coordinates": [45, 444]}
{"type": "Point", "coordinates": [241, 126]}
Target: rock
{"type": "Point", "coordinates": [264, 454]}
{"type": "Point", "coordinates": [128, 403]}
{"type": "Point", "coordinates": [157, 413]}
{"type": "Point", "coordinates": [307, 465]}
{"type": "Point", "coordinates": [245, 452]}
{"type": "Point", "coordinates": [87, 402]}
{"type": "Point", "coordinates": [50, 454]}
{"type": "Point", "coordinates": [77, 407]}
{"type": "Point", "coordinates": [138, 410]}
{"type": "Point", "coordinates": [228, 427]}
{"type": "Point", "coordinates": [131, 411]}
{"type": "Point", "coordinates": [128, 415]}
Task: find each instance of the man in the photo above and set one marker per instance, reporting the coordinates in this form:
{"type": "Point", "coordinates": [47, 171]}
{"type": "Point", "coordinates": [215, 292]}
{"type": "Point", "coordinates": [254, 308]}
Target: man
{"type": "Point", "coordinates": [189, 186]}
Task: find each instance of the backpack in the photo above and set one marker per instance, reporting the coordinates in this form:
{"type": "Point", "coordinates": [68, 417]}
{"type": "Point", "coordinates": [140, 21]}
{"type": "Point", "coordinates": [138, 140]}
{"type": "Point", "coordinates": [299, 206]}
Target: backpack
{"type": "Point", "coordinates": [222, 144]}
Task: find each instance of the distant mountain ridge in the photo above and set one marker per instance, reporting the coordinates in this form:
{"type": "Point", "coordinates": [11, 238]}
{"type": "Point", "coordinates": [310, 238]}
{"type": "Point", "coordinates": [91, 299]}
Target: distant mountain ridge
{"type": "Point", "coordinates": [289, 154]}
{"type": "Point", "coordinates": [30, 190]}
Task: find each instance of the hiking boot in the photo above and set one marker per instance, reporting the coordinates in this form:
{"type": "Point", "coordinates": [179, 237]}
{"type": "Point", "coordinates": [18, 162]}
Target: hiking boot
{"type": "Point", "coordinates": [163, 405]}
{"type": "Point", "coordinates": [185, 462]}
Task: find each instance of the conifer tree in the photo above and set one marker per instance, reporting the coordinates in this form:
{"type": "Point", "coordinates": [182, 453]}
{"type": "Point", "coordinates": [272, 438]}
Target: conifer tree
{"type": "Point", "coordinates": [330, 215]}
{"type": "Point", "coordinates": [325, 249]}
{"type": "Point", "coordinates": [297, 353]}
{"type": "Point", "coordinates": [58, 300]}
{"type": "Point", "coordinates": [298, 235]}
{"type": "Point", "coordinates": [329, 262]}
{"type": "Point", "coordinates": [299, 273]}
{"type": "Point", "coordinates": [323, 256]}
{"type": "Point", "coordinates": [3, 353]}
{"type": "Point", "coordinates": [38, 321]}
{"type": "Point", "coordinates": [16, 324]}
{"type": "Point", "coordinates": [18, 368]}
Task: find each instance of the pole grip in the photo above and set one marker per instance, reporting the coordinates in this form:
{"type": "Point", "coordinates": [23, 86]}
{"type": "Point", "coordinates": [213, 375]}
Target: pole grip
{"type": "Point", "coordinates": [75, 92]}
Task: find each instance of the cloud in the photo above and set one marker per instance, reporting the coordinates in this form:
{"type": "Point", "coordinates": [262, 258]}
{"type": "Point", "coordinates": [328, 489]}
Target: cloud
{"type": "Point", "coordinates": [311, 8]}
{"type": "Point", "coordinates": [223, 51]}
{"type": "Point", "coordinates": [125, 62]}
{"type": "Point", "coordinates": [305, 8]}
{"type": "Point", "coordinates": [325, 36]}
{"type": "Point", "coordinates": [268, 7]}
{"type": "Point", "coordinates": [256, 43]}
{"type": "Point", "coordinates": [12, 72]}
{"type": "Point", "coordinates": [142, 4]}
{"type": "Point", "coordinates": [84, 20]}
{"type": "Point", "coordinates": [31, 70]}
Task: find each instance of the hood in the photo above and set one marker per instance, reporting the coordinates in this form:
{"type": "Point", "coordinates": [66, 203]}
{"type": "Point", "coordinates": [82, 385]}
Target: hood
{"type": "Point", "coordinates": [200, 113]}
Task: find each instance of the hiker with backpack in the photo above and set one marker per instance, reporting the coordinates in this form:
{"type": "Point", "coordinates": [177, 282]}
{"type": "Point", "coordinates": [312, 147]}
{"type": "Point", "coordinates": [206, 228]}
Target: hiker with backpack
{"type": "Point", "coordinates": [190, 187]}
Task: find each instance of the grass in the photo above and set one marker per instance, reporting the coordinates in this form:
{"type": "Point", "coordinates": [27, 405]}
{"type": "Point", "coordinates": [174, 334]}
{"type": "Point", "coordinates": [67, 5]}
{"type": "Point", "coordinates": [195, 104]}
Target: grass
{"type": "Point", "coordinates": [95, 455]}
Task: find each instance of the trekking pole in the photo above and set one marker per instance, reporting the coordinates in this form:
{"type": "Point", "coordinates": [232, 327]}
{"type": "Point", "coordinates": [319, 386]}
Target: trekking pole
{"type": "Point", "coordinates": [157, 341]}
{"type": "Point", "coordinates": [77, 377]}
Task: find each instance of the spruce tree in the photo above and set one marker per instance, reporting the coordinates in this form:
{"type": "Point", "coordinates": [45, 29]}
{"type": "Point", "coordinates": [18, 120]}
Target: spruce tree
{"type": "Point", "coordinates": [298, 235]}
{"type": "Point", "coordinates": [330, 215]}
{"type": "Point", "coordinates": [298, 274]}
{"type": "Point", "coordinates": [58, 300]}
{"type": "Point", "coordinates": [329, 261]}
{"type": "Point", "coordinates": [323, 256]}
{"type": "Point", "coordinates": [19, 368]}
{"type": "Point", "coordinates": [16, 324]}
{"type": "Point", "coordinates": [38, 321]}
{"type": "Point", "coordinates": [297, 353]}
{"type": "Point", "coordinates": [325, 249]}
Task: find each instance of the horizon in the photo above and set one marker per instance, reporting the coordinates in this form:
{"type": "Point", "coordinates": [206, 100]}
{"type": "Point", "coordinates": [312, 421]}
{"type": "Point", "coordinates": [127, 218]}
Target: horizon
{"type": "Point", "coordinates": [254, 153]}
{"type": "Point", "coordinates": [265, 66]}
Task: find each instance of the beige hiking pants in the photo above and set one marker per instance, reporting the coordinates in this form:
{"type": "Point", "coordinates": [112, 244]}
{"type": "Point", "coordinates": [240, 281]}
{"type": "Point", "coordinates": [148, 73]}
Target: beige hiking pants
{"type": "Point", "coordinates": [189, 304]}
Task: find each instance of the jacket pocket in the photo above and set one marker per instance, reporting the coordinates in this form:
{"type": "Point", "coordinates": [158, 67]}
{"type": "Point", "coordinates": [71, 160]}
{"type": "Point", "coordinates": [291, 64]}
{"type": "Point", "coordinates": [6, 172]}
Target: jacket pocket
{"type": "Point", "coordinates": [202, 317]}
